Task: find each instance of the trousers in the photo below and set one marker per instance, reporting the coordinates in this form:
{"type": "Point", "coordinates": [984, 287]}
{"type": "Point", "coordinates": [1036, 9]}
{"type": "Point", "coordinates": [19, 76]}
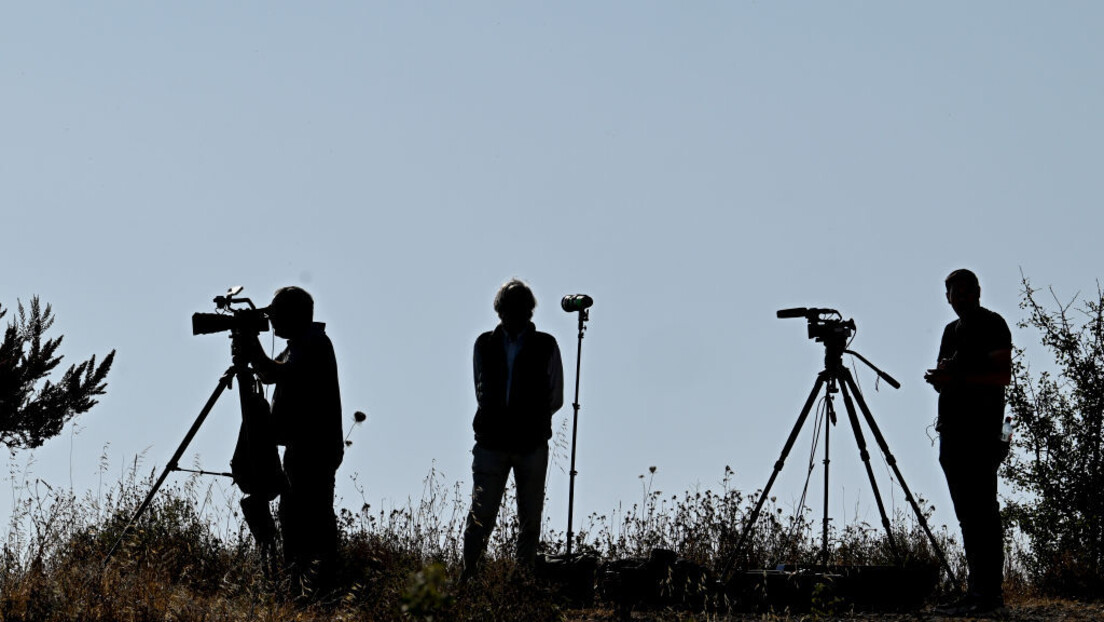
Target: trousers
{"type": "Point", "coordinates": [970, 466]}
{"type": "Point", "coordinates": [490, 471]}
{"type": "Point", "coordinates": [308, 525]}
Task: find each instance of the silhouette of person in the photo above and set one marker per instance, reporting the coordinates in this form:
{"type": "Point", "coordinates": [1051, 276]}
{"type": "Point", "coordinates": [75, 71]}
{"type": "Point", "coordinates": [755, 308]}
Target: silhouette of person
{"type": "Point", "coordinates": [974, 366]}
{"type": "Point", "coordinates": [306, 415]}
{"type": "Point", "coordinates": [518, 387]}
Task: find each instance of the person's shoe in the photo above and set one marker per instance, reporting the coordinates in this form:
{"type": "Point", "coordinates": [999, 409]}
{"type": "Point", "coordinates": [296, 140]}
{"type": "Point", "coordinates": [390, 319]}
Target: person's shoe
{"type": "Point", "coordinates": [952, 609]}
{"type": "Point", "coordinates": [973, 606]}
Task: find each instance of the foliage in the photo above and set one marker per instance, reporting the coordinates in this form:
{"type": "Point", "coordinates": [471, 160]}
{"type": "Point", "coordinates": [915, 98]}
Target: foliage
{"type": "Point", "coordinates": [1058, 460]}
{"type": "Point", "coordinates": [703, 526]}
{"type": "Point", "coordinates": [32, 407]}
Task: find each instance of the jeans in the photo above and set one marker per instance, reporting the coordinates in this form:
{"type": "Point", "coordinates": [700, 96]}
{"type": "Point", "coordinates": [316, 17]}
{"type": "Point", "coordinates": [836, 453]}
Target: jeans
{"type": "Point", "coordinates": [970, 465]}
{"type": "Point", "coordinates": [490, 470]}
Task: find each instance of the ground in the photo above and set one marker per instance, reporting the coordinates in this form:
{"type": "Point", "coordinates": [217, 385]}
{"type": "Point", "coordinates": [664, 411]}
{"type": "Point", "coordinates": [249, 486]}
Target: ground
{"type": "Point", "coordinates": [1019, 610]}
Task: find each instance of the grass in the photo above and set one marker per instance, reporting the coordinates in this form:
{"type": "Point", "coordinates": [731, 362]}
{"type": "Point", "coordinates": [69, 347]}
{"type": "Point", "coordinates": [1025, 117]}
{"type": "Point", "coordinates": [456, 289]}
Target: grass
{"type": "Point", "coordinates": [191, 558]}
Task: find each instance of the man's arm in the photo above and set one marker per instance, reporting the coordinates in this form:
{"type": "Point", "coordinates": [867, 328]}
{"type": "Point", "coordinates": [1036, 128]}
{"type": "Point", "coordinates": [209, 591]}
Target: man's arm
{"type": "Point", "coordinates": [267, 370]}
{"type": "Point", "coordinates": [477, 374]}
{"type": "Point", "coordinates": [994, 368]}
{"type": "Point", "coordinates": [950, 373]}
{"type": "Point", "coordinates": [1001, 363]}
{"type": "Point", "coordinates": [938, 377]}
{"type": "Point", "coordinates": [997, 372]}
{"type": "Point", "coordinates": [555, 378]}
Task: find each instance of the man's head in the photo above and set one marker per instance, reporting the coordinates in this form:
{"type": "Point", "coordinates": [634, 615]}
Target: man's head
{"type": "Point", "coordinates": [963, 291]}
{"type": "Point", "coordinates": [291, 311]}
{"type": "Point", "coordinates": [514, 304]}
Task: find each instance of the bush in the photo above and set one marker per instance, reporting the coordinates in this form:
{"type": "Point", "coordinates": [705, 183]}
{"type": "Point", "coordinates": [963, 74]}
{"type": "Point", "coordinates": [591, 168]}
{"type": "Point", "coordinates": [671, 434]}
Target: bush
{"type": "Point", "coordinates": [1058, 462]}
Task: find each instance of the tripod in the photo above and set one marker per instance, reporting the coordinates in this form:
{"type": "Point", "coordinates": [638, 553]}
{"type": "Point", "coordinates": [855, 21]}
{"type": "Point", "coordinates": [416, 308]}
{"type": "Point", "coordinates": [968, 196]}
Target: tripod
{"type": "Point", "coordinates": [837, 378]}
{"type": "Point", "coordinates": [247, 392]}
{"type": "Point", "coordinates": [584, 315]}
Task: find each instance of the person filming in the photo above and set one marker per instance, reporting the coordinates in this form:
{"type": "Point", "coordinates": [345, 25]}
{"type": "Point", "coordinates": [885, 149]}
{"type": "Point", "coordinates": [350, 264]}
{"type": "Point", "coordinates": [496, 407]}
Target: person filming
{"type": "Point", "coordinates": [306, 415]}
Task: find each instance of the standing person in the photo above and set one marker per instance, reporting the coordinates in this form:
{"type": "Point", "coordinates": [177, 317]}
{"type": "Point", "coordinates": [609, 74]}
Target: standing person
{"type": "Point", "coordinates": [518, 387]}
{"type": "Point", "coordinates": [306, 415]}
{"type": "Point", "coordinates": [975, 364]}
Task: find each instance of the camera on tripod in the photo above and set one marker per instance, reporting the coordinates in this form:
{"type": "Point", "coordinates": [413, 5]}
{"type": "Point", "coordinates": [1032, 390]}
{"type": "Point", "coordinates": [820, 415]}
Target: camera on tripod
{"type": "Point", "coordinates": [239, 321]}
{"type": "Point", "coordinates": [825, 325]}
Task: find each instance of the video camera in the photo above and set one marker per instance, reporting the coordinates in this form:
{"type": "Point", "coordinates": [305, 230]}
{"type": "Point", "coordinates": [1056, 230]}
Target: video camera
{"type": "Point", "coordinates": [823, 326]}
{"type": "Point", "coordinates": [248, 320]}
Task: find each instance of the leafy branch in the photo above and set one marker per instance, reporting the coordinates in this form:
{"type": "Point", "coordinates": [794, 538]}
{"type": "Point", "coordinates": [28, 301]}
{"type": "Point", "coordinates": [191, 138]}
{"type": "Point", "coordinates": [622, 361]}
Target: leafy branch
{"type": "Point", "coordinates": [33, 407]}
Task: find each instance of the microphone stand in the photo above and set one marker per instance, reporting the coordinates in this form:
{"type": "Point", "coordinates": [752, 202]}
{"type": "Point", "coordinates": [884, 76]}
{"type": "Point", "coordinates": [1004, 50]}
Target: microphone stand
{"type": "Point", "coordinates": [584, 315]}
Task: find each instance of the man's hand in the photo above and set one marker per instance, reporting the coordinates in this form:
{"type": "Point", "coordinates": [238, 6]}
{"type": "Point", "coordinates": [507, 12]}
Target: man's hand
{"type": "Point", "coordinates": [939, 377]}
{"type": "Point", "coordinates": [948, 372]}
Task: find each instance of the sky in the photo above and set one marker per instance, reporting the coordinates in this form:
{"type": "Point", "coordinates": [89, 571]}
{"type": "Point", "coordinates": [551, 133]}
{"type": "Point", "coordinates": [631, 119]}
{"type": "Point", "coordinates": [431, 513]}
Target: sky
{"type": "Point", "coordinates": [693, 166]}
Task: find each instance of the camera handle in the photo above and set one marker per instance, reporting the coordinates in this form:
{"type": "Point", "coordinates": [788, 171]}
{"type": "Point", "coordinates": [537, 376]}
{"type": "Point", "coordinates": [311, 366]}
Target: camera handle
{"type": "Point", "coordinates": [245, 387]}
{"type": "Point", "coordinates": [584, 315]}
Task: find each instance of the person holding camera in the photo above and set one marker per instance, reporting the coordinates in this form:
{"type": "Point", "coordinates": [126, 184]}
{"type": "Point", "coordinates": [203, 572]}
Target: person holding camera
{"type": "Point", "coordinates": [518, 387]}
{"type": "Point", "coordinates": [975, 364]}
{"type": "Point", "coordinates": [306, 417]}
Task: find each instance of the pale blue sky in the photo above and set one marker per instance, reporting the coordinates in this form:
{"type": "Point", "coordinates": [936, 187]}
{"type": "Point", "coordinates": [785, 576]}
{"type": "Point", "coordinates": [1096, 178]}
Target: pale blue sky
{"type": "Point", "coordinates": [692, 166]}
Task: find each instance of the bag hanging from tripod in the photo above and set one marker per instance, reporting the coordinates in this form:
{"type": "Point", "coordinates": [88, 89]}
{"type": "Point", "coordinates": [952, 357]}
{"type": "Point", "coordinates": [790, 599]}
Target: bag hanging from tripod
{"type": "Point", "coordinates": [256, 467]}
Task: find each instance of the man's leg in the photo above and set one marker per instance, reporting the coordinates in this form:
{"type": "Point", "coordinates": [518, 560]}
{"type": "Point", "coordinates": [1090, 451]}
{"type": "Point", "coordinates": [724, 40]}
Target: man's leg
{"type": "Point", "coordinates": [309, 530]}
{"type": "Point", "coordinates": [320, 530]}
{"type": "Point", "coordinates": [291, 529]}
{"type": "Point", "coordinates": [971, 472]}
{"type": "Point", "coordinates": [490, 469]}
{"type": "Point", "coordinates": [529, 474]}
{"type": "Point", "coordinates": [990, 531]}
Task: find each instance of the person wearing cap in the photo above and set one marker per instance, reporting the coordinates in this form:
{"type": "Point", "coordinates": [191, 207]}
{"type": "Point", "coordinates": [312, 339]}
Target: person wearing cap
{"type": "Point", "coordinates": [518, 387]}
{"type": "Point", "coordinates": [974, 366]}
{"type": "Point", "coordinates": [306, 415]}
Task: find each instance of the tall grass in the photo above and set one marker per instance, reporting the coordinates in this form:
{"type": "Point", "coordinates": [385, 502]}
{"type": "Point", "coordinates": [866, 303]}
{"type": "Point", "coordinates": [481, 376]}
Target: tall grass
{"type": "Point", "coordinates": [190, 556]}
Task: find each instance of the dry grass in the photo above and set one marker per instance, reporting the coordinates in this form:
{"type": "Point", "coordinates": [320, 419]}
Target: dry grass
{"type": "Point", "coordinates": [191, 558]}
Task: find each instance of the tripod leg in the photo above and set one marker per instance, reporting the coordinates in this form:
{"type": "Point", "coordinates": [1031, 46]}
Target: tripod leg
{"type": "Point", "coordinates": [731, 561]}
{"type": "Point", "coordinates": [860, 440]}
{"type": "Point", "coordinates": [829, 421]}
{"type": "Point", "coordinates": [897, 473]}
{"type": "Point", "coordinates": [224, 382]}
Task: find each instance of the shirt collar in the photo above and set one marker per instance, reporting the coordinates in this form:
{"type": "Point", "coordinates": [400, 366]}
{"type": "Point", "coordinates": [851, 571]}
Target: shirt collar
{"type": "Point", "coordinates": [506, 336]}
